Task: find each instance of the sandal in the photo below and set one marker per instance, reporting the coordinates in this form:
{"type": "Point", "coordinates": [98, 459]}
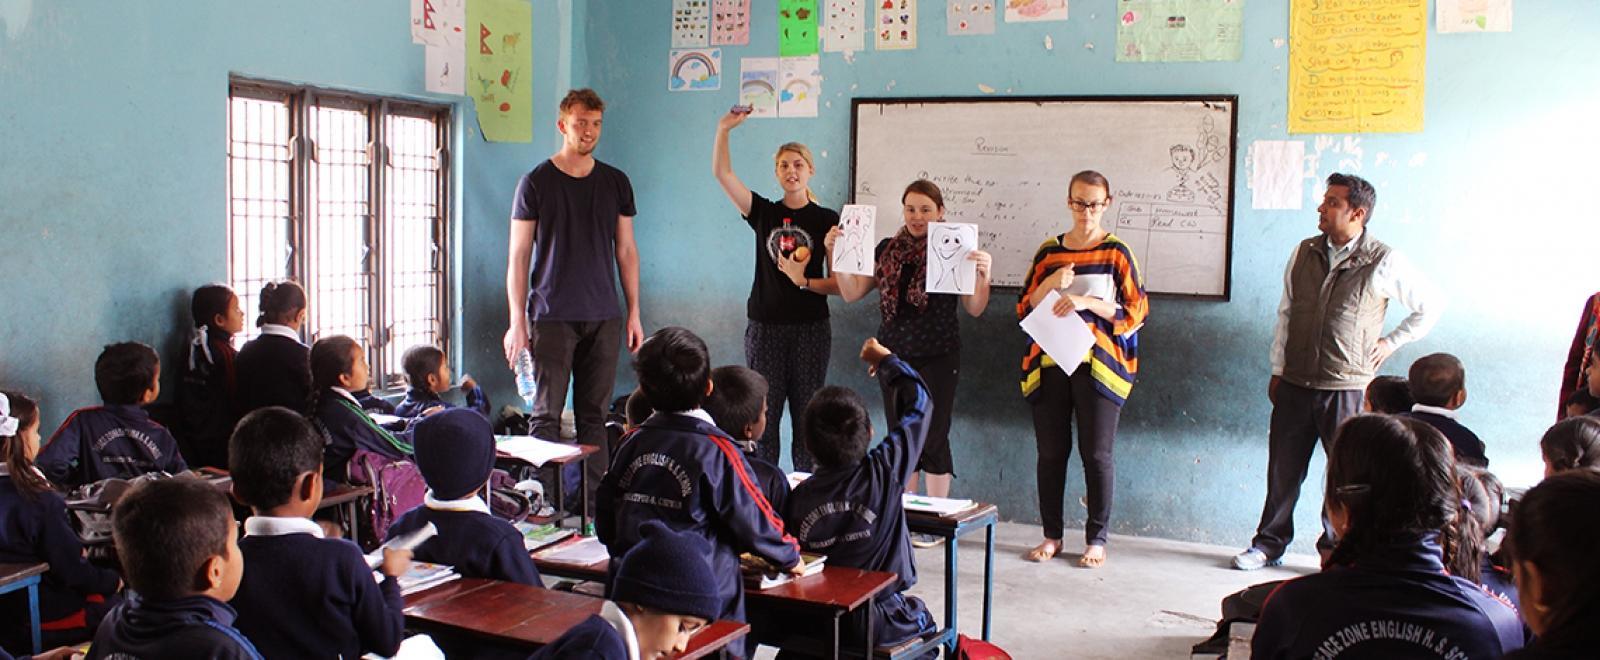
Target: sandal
{"type": "Point", "coordinates": [1086, 561]}
{"type": "Point", "coordinates": [1045, 551]}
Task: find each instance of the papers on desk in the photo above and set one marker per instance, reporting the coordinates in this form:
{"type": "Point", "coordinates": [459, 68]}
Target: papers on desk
{"type": "Point", "coordinates": [760, 574]}
{"type": "Point", "coordinates": [796, 478]}
{"type": "Point", "coordinates": [939, 506]}
{"type": "Point", "coordinates": [585, 552]}
{"type": "Point", "coordinates": [423, 575]}
{"type": "Point", "coordinates": [532, 450]}
{"type": "Point", "coordinates": [535, 537]}
{"type": "Point", "coordinates": [1066, 339]}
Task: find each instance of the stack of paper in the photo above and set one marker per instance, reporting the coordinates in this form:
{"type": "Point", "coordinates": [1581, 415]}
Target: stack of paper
{"type": "Point", "coordinates": [423, 575]}
{"type": "Point", "coordinates": [796, 478]}
{"type": "Point", "coordinates": [535, 537]}
{"type": "Point", "coordinates": [760, 574]}
{"type": "Point", "coordinates": [585, 552]}
{"type": "Point", "coordinates": [534, 451]}
{"type": "Point", "coordinates": [939, 506]}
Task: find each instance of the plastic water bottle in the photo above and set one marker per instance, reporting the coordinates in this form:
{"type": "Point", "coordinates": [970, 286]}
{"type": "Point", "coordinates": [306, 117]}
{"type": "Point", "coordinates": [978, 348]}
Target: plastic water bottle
{"type": "Point", "coordinates": [527, 387]}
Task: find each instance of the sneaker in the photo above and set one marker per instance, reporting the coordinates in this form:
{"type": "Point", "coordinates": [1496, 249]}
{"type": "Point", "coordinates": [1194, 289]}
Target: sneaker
{"type": "Point", "coordinates": [920, 540]}
{"type": "Point", "coordinates": [1253, 559]}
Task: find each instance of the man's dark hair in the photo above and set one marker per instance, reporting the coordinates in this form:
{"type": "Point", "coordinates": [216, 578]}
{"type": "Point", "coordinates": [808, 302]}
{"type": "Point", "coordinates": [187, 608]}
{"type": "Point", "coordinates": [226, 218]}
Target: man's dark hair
{"type": "Point", "coordinates": [737, 395]}
{"type": "Point", "coordinates": [1361, 194]}
{"type": "Point", "coordinates": [837, 427]}
{"type": "Point", "coordinates": [1436, 378]}
{"type": "Point", "coordinates": [269, 449]}
{"type": "Point", "coordinates": [165, 532]}
{"type": "Point", "coordinates": [418, 362]}
{"type": "Point", "coordinates": [673, 367]}
{"type": "Point", "coordinates": [585, 97]}
{"type": "Point", "coordinates": [124, 371]}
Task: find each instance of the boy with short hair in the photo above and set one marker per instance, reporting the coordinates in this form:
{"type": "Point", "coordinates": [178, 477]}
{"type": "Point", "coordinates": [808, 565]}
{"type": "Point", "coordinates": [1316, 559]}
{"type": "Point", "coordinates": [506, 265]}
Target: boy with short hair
{"type": "Point", "coordinates": [850, 509]}
{"type": "Point", "coordinates": [637, 409]}
{"type": "Point", "coordinates": [1439, 387]}
{"type": "Point", "coordinates": [177, 541]}
{"type": "Point", "coordinates": [738, 401]}
{"type": "Point", "coordinates": [1388, 395]}
{"type": "Point", "coordinates": [680, 469]}
{"type": "Point", "coordinates": [118, 439]}
{"type": "Point", "coordinates": [304, 595]}
{"type": "Point", "coordinates": [428, 374]}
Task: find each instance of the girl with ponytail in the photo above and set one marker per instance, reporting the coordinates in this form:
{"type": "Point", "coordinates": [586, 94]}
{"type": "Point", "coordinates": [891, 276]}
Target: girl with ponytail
{"type": "Point", "coordinates": [274, 369]}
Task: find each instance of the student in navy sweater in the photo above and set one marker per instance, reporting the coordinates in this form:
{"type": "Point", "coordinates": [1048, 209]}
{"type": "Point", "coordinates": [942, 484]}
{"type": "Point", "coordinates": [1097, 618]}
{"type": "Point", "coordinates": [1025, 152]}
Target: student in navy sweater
{"type": "Point", "coordinates": [1384, 592]}
{"type": "Point", "coordinates": [304, 596]}
{"type": "Point", "coordinates": [272, 369]}
{"type": "Point", "coordinates": [178, 543]}
{"type": "Point", "coordinates": [1482, 495]}
{"type": "Point", "coordinates": [117, 439]}
{"type": "Point", "coordinates": [1572, 443]}
{"type": "Point", "coordinates": [428, 374]}
{"type": "Point", "coordinates": [637, 409]}
{"type": "Point", "coordinates": [1389, 395]}
{"type": "Point", "coordinates": [206, 394]}
{"type": "Point", "coordinates": [850, 509]}
{"type": "Point", "coordinates": [34, 528]}
{"type": "Point", "coordinates": [679, 468]}
{"type": "Point", "coordinates": [738, 401]}
{"type": "Point", "coordinates": [339, 366]}
{"type": "Point", "coordinates": [1553, 544]}
{"type": "Point", "coordinates": [1439, 387]}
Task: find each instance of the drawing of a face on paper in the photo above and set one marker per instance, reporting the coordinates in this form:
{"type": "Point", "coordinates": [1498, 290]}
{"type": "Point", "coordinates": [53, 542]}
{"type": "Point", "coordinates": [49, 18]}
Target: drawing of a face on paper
{"type": "Point", "coordinates": [852, 251]}
{"type": "Point", "coordinates": [949, 270]}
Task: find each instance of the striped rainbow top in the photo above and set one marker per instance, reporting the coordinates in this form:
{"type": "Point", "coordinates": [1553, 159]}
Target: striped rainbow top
{"type": "Point", "coordinates": [1107, 267]}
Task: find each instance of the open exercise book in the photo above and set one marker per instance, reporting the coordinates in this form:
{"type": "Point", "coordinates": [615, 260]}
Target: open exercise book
{"type": "Point", "coordinates": [760, 574]}
{"type": "Point", "coordinates": [535, 537]}
{"type": "Point", "coordinates": [533, 450]}
{"type": "Point", "coordinates": [939, 506]}
{"type": "Point", "coordinates": [423, 575]}
{"type": "Point", "coordinates": [582, 551]}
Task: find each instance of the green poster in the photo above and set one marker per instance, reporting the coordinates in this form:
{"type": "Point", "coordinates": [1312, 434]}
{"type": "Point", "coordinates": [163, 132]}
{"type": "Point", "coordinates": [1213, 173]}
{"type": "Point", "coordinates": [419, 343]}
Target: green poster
{"type": "Point", "coordinates": [500, 68]}
{"type": "Point", "coordinates": [1179, 30]}
{"type": "Point", "coordinates": [797, 28]}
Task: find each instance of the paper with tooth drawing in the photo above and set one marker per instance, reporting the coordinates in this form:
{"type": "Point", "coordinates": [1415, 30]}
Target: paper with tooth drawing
{"type": "Point", "coordinates": [853, 251]}
{"type": "Point", "coordinates": [1066, 339]}
{"type": "Point", "coordinates": [949, 269]}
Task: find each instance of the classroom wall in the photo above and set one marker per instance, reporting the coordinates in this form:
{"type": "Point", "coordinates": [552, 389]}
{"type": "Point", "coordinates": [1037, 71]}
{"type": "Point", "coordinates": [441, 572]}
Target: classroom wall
{"type": "Point", "coordinates": [112, 189]}
{"type": "Point", "coordinates": [1488, 200]}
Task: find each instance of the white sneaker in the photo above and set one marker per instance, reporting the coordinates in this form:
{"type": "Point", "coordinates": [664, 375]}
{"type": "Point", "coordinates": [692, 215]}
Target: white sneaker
{"type": "Point", "coordinates": [1253, 559]}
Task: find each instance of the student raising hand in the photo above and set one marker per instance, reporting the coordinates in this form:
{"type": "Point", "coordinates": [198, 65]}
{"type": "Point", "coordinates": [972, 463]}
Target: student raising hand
{"type": "Point", "coordinates": [873, 353]}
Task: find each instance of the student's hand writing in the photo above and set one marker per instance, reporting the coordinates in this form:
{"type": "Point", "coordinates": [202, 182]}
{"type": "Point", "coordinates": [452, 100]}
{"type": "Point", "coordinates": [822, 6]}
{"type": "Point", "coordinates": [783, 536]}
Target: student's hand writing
{"type": "Point", "coordinates": [395, 562]}
{"type": "Point", "coordinates": [833, 235]}
{"type": "Point", "coordinates": [796, 270]}
{"type": "Point", "coordinates": [732, 119]}
{"type": "Point", "coordinates": [984, 261]}
{"type": "Point", "coordinates": [873, 353]}
{"type": "Point", "coordinates": [468, 383]}
{"type": "Point", "coordinates": [1065, 305]}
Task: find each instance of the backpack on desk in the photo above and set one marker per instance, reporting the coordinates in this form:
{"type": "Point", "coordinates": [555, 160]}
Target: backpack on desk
{"type": "Point", "coordinates": [397, 488]}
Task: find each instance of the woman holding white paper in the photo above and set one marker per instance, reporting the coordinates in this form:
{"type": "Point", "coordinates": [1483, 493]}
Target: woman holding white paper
{"type": "Point", "coordinates": [1095, 276]}
{"type": "Point", "coordinates": [918, 326]}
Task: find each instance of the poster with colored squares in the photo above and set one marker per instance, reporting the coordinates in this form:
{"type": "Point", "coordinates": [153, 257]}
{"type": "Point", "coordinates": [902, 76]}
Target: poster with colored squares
{"type": "Point", "coordinates": [730, 22]}
{"type": "Point", "coordinates": [1033, 11]}
{"type": "Point", "coordinates": [897, 24]}
{"type": "Point", "coordinates": [695, 70]}
{"type": "Point", "coordinates": [844, 25]}
{"type": "Point", "coordinates": [965, 17]}
{"type": "Point", "coordinates": [500, 68]}
{"type": "Point", "coordinates": [800, 85]}
{"type": "Point", "coordinates": [797, 28]}
{"type": "Point", "coordinates": [691, 23]}
{"type": "Point", "coordinates": [758, 85]}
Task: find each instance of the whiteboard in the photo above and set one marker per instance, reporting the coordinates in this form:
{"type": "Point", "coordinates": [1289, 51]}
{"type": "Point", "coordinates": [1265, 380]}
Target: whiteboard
{"type": "Point", "coordinates": [1004, 165]}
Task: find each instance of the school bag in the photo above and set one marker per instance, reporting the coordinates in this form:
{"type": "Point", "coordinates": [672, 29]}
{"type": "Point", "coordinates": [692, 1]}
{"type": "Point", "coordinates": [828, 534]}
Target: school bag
{"type": "Point", "coordinates": [397, 488]}
{"type": "Point", "coordinates": [968, 648]}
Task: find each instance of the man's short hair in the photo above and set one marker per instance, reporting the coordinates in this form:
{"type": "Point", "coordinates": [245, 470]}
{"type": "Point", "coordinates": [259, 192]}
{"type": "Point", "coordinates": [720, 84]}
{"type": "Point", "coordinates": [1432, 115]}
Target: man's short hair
{"type": "Point", "coordinates": [124, 371]}
{"type": "Point", "coordinates": [585, 97]}
{"type": "Point", "coordinates": [1436, 378]}
{"type": "Point", "coordinates": [1361, 194]}
{"type": "Point", "coordinates": [737, 394]}
{"type": "Point", "coordinates": [165, 532]}
{"type": "Point", "coordinates": [837, 427]}
{"type": "Point", "coordinates": [270, 448]}
{"type": "Point", "coordinates": [673, 367]}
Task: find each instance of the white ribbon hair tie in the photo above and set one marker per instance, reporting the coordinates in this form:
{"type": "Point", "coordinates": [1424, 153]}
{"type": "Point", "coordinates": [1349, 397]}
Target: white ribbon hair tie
{"type": "Point", "coordinates": [8, 424]}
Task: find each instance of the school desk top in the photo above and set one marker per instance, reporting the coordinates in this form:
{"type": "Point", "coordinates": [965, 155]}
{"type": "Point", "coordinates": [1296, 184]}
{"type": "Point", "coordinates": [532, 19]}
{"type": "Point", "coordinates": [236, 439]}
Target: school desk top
{"type": "Point", "coordinates": [836, 588]}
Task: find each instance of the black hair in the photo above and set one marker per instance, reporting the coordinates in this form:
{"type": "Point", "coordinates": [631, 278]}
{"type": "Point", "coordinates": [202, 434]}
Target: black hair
{"type": "Point", "coordinates": [1550, 529]}
{"type": "Point", "coordinates": [281, 302]}
{"type": "Point", "coordinates": [166, 530]}
{"type": "Point", "coordinates": [18, 465]}
{"type": "Point", "coordinates": [737, 395]}
{"type": "Point", "coordinates": [1394, 477]}
{"type": "Point", "coordinates": [209, 302]}
{"type": "Point", "coordinates": [331, 357]}
{"type": "Point", "coordinates": [1482, 495]}
{"type": "Point", "coordinates": [637, 409]}
{"type": "Point", "coordinates": [1389, 395]}
{"type": "Point", "coordinates": [1436, 378]}
{"type": "Point", "coordinates": [418, 362]}
{"type": "Point", "coordinates": [673, 367]}
{"type": "Point", "coordinates": [125, 371]}
{"type": "Point", "coordinates": [1572, 443]}
{"type": "Point", "coordinates": [270, 449]}
{"type": "Point", "coordinates": [837, 427]}
{"type": "Point", "coordinates": [1361, 194]}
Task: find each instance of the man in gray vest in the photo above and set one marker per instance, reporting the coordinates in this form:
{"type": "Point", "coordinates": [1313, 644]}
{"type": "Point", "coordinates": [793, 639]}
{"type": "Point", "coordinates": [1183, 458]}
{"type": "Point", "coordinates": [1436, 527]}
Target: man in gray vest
{"type": "Point", "coordinates": [1327, 346]}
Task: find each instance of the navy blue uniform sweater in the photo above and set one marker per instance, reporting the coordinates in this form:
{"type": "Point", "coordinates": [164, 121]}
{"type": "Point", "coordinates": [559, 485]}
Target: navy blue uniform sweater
{"type": "Point", "coordinates": [272, 370]}
{"type": "Point", "coordinates": [305, 597]}
{"type": "Point", "coordinates": [1469, 449]}
{"type": "Point", "coordinates": [373, 403]}
{"type": "Point", "coordinates": [193, 628]}
{"type": "Point", "coordinates": [773, 482]}
{"type": "Point", "coordinates": [349, 428]}
{"type": "Point", "coordinates": [38, 530]}
{"type": "Point", "coordinates": [419, 400]}
{"type": "Point", "coordinates": [206, 401]}
{"type": "Point", "coordinates": [594, 639]}
{"type": "Point", "coordinates": [108, 442]}
{"type": "Point", "coordinates": [477, 544]}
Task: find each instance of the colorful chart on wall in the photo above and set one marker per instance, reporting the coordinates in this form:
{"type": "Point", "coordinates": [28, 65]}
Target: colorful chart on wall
{"type": "Point", "coordinates": [758, 85]}
{"type": "Point", "coordinates": [797, 28]}
{"type": "Point", "coordinates": [964, 17]}
{"type": "Point", "coordinates": [799, 86]}
{"type": "Point", "coordinates": [1031, 11]}
{"type": "Point", "coordinates": [896, 27]}
{"type": "Point", "coordinates": [730, 22]}
{"type": "Point", "coordinates": [844, 25]}
{"type": "Point", "coordinates": [1356, 66]}
{"type": "Point", "coordinates": [694, 70]}
{"type": "Point", "coordinates": [691, 23]}
{"type": "Point", "coordinates": [437, 22]}
{"type": "Point", "coordinates": [1179, 30]}
{"type": "Point", "coordinates": [1472, 16]}
{"type": "Point", "coordinates": [500, 68]}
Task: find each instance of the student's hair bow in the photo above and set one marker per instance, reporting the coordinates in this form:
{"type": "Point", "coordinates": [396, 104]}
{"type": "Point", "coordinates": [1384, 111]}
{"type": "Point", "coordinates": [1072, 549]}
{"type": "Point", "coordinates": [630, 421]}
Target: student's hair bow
{"type": "Point", "coordinates": [8, 424]}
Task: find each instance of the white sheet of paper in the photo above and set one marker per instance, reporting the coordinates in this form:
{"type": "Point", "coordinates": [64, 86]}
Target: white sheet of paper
{"type": "Point", "coordinates": [1472, 16]}
{"type": "Point", "coordinates": [439, 22]}
{"type": "Point", "coordinates": [758, 85]}
{"type": "Point", "coordinates": [533, 450]}
{"type": "Point", "coordinates": [949, 269]}
{"type": "Point", "coordinates": [844, 25]}
{"type": "Point", "coordinates": [853, 251]}
{"type": "Point", "coordinates": [1277, 174]}
{"type": "Point", "coordinates": [800, 85]}
{"type": "Point", "coordinates": [445, 69]}
{"type": "Point", "coordinates": [1066, 339]}
{"type": "Point", "coordinates": [584, 553]}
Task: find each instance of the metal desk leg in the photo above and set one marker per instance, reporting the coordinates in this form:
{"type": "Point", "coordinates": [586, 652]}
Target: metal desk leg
{"type": "Point", "coordinates": [33, 615]}
{"type": "Point", "coordinates": [583, 492]}
{"type": "Point", "coordinates": [988, 577]}
{"type": "Point", "coordinates": [561, 493]}
{"type": "Point", "coordinates": [837, 642]}
{"type": "Point", "coordinates": [950, 595]}
{"type": "Point", "coordinates": [867, 612]}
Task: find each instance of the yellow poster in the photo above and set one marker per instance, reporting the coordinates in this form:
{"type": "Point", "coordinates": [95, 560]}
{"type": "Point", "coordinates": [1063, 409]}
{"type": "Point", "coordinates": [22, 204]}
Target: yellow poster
{"type": "Point", "coordinates": [1356, 66]}
{"type": "Point", "coordinates": [500, 68]}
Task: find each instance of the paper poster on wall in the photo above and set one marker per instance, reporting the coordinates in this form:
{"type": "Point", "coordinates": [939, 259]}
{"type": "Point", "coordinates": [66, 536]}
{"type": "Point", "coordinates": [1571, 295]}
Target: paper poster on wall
{"type": "Point", "coordinates": [797, 28]}
{"type": "Point", "coordinates": [500, 68]}
{"type": "Point", "coordinates": [964, 17]}
{"type": "Point", "coordinates": [949, 269]}
{"type": "Point", "coordinates": [438, 22]}
{"type": "Point", "coordinates": [1277, 175]}
{"type": "Point", "coordinates": [730, 22]}
{"type": "Point", "coordinates": [694, 70]}
{"type": "Point", "coordinates": [1472, 16]}
{"type": "Point", "coordinates": [758, 85]}
{"type": "Point", "coordinates": [1356, 71]}
{"type": "Point", "coordinates": [896, 27]}
{"type": "Point", "coordinates": [1179, 30]}
{"type": "Point", "coordinates": [691, 23]}
{"type": "Point", "coordinates": [844, 25]}
{"type": "Point", "coordinates": [1030, 11]}
{"type": "Point", "coordinates": [800, 85]}
{"type": "Point", "coordinates": [445, 69]}
{"type": "Point", "coordinates": [853, 251]}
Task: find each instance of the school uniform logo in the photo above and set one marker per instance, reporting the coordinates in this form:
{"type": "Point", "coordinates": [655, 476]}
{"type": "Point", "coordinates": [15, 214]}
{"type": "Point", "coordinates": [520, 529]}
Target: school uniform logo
{"type": "Point", "coordinates": [846, 522]}
{"type": "Point", "coordinates": [646, 464]}
{"type": "Point", "coordinates": [1355, 634]}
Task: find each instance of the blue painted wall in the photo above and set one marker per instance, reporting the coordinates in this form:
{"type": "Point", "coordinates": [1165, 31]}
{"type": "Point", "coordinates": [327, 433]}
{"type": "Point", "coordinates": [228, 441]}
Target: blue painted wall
{"type": "Point", "coordinates": [1488, 200]}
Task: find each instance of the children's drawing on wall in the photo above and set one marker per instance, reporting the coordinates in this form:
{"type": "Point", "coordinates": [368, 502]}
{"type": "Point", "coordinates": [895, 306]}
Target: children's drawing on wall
{"type": "Point", "coordinates": [1027, 11]}
{"type": "Point", "coordinates": [800, 81]}
{"type": "Point", "coordinates": [853, 250]}
{"type": "Point", "coordinates": [897, 24]}
{"type": "Point", "coordinates": [797, 28]}
{"type": "Point", "coordinates": [949, 269]}
{"type": "Point", "coordinates": [1473, 16]}
{"type": "Point", "coordinates": [695, 70]}
{"type": "Point", "coordinates": [730, 22]}
{"type": "Point", "coordinates": [758, 85]}
{"type": "Point", "coordinates": [691, 23]}
{"type": "Point", "coordinates": [844, 25]}
{"type": "Point", "coordinates": [964, 17]}
{"type": "Point", "coordinates": [1193, 184]}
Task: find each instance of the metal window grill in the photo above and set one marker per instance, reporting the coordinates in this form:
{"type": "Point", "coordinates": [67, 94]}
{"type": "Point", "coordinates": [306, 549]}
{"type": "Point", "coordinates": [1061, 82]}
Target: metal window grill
{"type": "Point", "coordinates": [415, 236]}
{"type": "Point", "coordinates": [261, 227]}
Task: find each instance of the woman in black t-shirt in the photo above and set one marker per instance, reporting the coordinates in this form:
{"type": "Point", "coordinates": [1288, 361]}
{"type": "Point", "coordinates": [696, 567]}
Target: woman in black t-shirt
{"type": "Point", "coordinates": [918, 326]}
{"type": "Point", "coordinates": [788, 338]}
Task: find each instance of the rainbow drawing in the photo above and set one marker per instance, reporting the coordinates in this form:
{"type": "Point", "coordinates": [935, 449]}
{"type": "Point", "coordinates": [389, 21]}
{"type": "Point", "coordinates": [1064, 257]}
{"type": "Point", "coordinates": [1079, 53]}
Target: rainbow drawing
{"type": "Point", "coordinates": [696, 69]}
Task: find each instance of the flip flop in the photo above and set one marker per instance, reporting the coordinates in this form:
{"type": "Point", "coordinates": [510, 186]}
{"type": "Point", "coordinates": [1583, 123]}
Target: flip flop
{"type": "Point", "coordinates": [1039, 555]}
{"type": "Point", "coordinates": [1084, 561]}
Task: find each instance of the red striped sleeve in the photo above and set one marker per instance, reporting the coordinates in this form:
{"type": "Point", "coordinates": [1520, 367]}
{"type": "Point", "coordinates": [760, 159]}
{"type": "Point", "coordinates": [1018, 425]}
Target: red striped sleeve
{"type": "Point", "coordinates": [736, 459]}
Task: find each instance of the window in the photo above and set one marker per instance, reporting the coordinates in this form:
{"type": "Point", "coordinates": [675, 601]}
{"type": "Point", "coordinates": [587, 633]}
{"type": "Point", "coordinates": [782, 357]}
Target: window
{"type": "Point", "coordinates": [349, 195]}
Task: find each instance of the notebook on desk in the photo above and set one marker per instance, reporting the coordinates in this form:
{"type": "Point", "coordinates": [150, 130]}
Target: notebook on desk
{"type": "Point", "coordinates": [534, 451]}
{"type": "Point", "coordinates": [759, 574]}
{"type": "Point", "coordinates": [939, 506]}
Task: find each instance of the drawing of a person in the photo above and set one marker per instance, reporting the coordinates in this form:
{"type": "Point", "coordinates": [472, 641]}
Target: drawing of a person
{"type": "Point", "coordinates": [949, 248]}
{"type": "Point", "coordinates": [853, 255]}
{"type": "Point", "coordinates": [1183, 164]}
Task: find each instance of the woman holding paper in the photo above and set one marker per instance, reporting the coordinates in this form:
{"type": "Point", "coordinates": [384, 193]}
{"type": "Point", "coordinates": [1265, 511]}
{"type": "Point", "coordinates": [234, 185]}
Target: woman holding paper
{"type": "Point", "coordinates": [1090, 273]}
{"type": "Point", "coordinates": [918, 326]}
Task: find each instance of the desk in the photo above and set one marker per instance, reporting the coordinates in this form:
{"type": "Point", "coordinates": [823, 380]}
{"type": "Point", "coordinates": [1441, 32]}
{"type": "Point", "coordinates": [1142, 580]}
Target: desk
{"type": "Point", "coordinates": [25, 576]}
{"type": "Point", "coordinates": [529, 617]}
{"type": "Point", "coordinates": [561, 492]}
{"type": "Point", "coordinates": [348, 497]}
{"type": "Point", "coordinates": [952, 527]}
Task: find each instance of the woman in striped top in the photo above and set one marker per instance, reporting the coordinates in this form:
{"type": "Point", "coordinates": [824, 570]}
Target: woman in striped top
{"type": "Point", "coordinates": [1096, 276]}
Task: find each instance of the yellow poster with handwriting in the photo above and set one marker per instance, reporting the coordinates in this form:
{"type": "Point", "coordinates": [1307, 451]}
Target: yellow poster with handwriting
{"type": "Point", "coordinates": [1356, 66]}
{"type": "Point", "coordinates": [500, 68]}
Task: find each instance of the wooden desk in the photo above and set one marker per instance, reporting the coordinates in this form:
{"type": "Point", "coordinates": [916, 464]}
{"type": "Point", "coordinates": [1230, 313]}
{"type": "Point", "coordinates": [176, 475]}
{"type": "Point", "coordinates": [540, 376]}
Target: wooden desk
{"type": "Point", "coordinates": [25, 576]}
{"type": "Point", "coordinates": [952, 528]}
{"type": "Point", "coordinates": [529, 617]}
{"type": "Point", "coordinates": [348, 498]}
{"type": "Point", "coordinates": [560, 495]}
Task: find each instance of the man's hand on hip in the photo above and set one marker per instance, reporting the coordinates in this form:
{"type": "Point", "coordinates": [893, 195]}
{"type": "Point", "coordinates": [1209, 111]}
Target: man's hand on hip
{"type": "Point", "coordinates": [1380, 353]}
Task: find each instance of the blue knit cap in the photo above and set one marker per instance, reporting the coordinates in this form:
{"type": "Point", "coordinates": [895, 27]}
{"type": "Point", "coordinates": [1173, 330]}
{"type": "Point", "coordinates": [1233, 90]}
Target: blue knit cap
{"type": "Point", "coordinates": [670, 572]}
{"type": "Point", "coordinates": [455, 452]}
